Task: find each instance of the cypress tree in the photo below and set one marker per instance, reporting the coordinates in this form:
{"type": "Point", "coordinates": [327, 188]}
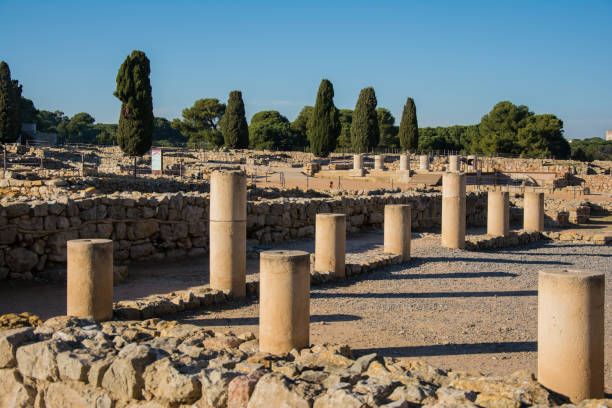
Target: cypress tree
{"type": "Point", "coordinates": [409, 127]}
{"type": "Point", "coordinates": [10, 100]}
{"type": "Point", "coordinates": [233, 124]}
{"type": "Point", "coordinates": [324, 126]}
{"type": "Point", "coordinates": [364, 128]}
{"type": "Point", "coordinates": [135, 130]}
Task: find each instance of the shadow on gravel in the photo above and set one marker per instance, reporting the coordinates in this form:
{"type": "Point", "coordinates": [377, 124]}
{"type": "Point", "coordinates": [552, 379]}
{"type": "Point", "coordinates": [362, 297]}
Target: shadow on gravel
{"type": "Point", "coordinates": [449, 275]}
{"type": "Point", "coordinates": [425, 295]}
{"type": "Point", "coordinates": [453, 349]}
{"type": "Point", "coordinates": [422, 260]}
{"type": "Point", "coordinates": [246, 321]}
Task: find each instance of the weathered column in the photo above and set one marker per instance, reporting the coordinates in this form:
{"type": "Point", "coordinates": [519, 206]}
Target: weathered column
{"type": "Point", "coordinates": [358, 161]}
{"type": "Point", "coordinates": [404, 162]}
{"type": "Point", "coordinates": [330, 244]}
{"type": "Point", "coordinates": [284, 301]}
{"type": "Point", "coordinates": [379, 162]}
{"type": "Point", "coordinates": [571, 333]}
{"type": "Point", "coordinates": [533, 211]}
{"type": "Point", "coordinates": [90, 279]}
{"type": "Point", "coordinates": [498, 213]}
{"type": "Point", "coordinates": [228, 232]}
{"type": "Point", "coordinates": [453, 210]}
{"type": "Point", "coordinates": [453, 163]}
{"type": "Point", "coordinates": [398, 229]}
{"type": "Point", "coordinates": [424, 162]}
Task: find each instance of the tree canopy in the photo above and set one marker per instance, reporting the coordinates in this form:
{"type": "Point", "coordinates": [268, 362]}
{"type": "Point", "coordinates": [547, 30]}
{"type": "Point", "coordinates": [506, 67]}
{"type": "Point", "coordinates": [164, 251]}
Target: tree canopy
{"type": "Point", "coordinates": [345, 116]}
{"type": "Point", "coordinates": [365, 134]}
{"type": "Point", "coordinates": [233, 125]}
{"type": "Point", "coordinates": [324, 126]}
{"type": "Point", "coordinates": [200, 122]}
{"type": "Point", "coordinates": [387, 129]}
{"type": "Point", "coordinates": [135, 130]}
{"type": "Point", "coordinates": [594, 148]}
{"type": "Point", "coordinates": [10, 101]}
{"type": "Point", "coordinates": [409, 128]}
{"type": "Point", "coordinates": [299, 127]}
{"type": "Point", "coordinates": [269, 130]}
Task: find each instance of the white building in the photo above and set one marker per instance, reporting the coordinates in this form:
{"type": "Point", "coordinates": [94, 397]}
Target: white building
{"type": "Point", "coordinates": [609, 135]}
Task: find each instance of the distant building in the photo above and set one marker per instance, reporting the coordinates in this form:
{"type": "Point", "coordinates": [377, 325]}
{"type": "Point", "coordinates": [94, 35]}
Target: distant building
{"type": "Point", "coordinates": [30, 136]}
{"type": "Point", "coordinates": [609, 135]}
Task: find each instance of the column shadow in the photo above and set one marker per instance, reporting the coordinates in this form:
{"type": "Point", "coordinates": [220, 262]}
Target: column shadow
{"type": "Point", "coordinates": [453, 349]}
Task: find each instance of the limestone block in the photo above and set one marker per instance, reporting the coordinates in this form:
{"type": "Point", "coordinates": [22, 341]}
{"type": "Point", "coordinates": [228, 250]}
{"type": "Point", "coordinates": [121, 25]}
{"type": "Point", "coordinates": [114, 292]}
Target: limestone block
{"type": "Point", "coordinates": [124, 377]}
{"type": "Point", "coordinates": [13, 392]}
{"type": "Point", "coordinates": [10, 340]}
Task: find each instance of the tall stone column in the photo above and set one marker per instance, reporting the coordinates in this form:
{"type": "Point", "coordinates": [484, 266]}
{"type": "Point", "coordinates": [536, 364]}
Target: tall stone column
{"type": "Point", "coordinates": [330, 244]}
{"type": "Point", "coordinates": [453, 210]}
{"type": "Point", "coordinates": [404, 162]}
{"type": "Point", "coordinates": [453, 163]}
{"type": "Point", "coordinates": [284, 301]}
{"type": "Point", "coordinates": [571, 333]}
{"type": "Point", "coordinates": [498, 213]}
{"type": "Point", "coordinates": [90, 279]}
{"type": "Point", "coordinates": [379, 162]}
{"type": "Point", "coordinates": [424, 162]}
{"type": "Point", "coordinates": [358, 161]}
{"type": "Point", "coordinates": [533, 211]}
{"type": "Point", "coordinates": [228, 232]}
{"type": "Point", "coordinates": [398, 229]}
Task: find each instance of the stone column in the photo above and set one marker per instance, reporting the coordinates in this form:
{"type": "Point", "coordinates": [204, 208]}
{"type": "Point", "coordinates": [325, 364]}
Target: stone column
{"type": "Point", "coordinates": [424, 162]}
{"type": "Point", "coordinates": [571, 333]}
{"type": "Point", "coordinates": [533, 211]}
{"type": "Point", "coordinates": [228, 232]}
{"type": "Point", "coordinates": [284, 301]}
{"type": "Point", "coordinates": [330, 244]}
{"type": "Point", "coordinates": [453, 163]}
{"type": "Point", "coordinates": [90, 279]}
{"type": "Point", "coordinates": [358, 161]}
{"type": "Point", "coordinates": [379, 162]}
{"type": "Point", "coordinates": [398, 229]}
{"type": "Point", "coordinates": [404, 162]}
{"type": "Point", "coordinates": [453, 210]}
{"type": "Point", "coordinates": [498, 213]}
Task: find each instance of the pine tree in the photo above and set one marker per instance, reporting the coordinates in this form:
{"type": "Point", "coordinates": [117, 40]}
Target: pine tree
{"type": "Point", "coordinates": [135, 130]}
{"type": "Point", "coordinates": [409, 127]}
{"type": "Point", "coordinates": [324, 126]}
{"type": "Point", "coordinates": [364, 128]}
{"type": "Point", "coordinates": [10, 100]}
{"type": "Point", "coordinates": [233, 125]}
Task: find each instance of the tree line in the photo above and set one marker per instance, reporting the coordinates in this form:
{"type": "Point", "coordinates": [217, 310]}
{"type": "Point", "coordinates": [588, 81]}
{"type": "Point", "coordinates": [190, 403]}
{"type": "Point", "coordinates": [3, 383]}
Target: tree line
{"type": "Point", "coordinates": [322, 128]}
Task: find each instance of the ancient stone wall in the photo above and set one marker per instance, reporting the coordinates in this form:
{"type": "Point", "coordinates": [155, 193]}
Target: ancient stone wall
{"type": "Point", "coordinates": [33, 234]}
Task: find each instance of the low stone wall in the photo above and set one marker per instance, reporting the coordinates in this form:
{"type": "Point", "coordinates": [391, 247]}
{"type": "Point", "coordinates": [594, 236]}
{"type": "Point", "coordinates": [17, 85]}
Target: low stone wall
{"type": "Point", "coordinates": [154, 363]}
{"type": "Point", "coordinates": [33, 235]}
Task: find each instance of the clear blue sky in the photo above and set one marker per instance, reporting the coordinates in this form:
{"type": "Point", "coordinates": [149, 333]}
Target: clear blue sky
{"type": "Point", "coordinates": [456, 59]}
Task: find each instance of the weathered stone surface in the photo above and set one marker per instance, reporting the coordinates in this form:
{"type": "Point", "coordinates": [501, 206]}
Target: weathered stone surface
{"type": "Point", "coordinates": [38, 360]}
{"type": "Point", "coordinates": [21, 260]}
{"type": "Point", "coordinates": [74, 366]}
{"type": "Point", "coordinates": [215, 383]}
{"type": "Point", "coordinates": [274, 390]}
{"type": "Point", "coordinates": [13, 393]}
{"type": "Point", "coordinates": [241, 388]}
{"type": "Point", "coordinates": [10, 340]}
{"type": "Point", "coordinates": [124, 376]}
{"type": "Point", "coordinates": [75, 395]}
{"type": "Point", "coordinates": [164, 381]}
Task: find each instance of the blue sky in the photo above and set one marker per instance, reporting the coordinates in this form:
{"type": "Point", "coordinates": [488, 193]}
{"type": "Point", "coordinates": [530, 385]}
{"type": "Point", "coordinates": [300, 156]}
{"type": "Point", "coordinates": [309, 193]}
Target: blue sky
{"type": "Point", "coordinates": [456, 59]}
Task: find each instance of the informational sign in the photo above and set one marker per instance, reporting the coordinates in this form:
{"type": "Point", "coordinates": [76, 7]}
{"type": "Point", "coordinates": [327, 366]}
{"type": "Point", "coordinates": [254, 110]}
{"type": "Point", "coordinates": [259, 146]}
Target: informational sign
{"type": "Point", "coordinates": [157, 161]}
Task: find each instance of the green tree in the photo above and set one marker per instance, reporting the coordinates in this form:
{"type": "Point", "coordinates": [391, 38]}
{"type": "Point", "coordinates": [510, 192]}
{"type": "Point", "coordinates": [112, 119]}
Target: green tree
{"type": "Point", "coordinates": [233, 125]}
{"type": "Point", "coordinates": [324, 125]}
{"type": "Point", "coordinates": [269, 130]}
{"type": "Point", "coordinates": [200, 122]}
{"type": "Point", "coordinates": [27, 111]}
{"type": "Point", "coordinates": [388, 132]}
{"type": "Point", "coordinates": [409, 128]}
{"type": "Point", "coordinates": [10, 100]}
{"type": "Point", "coordinates": [165, 135]}
{"type": "Point", "coordinates": [499, 128]}
{"type": "Point", "coordinates": [345, 116]}
{"type": "Point", "coordinates": [49, 121]}
{"type": "Point", "coordinates": [79, 129]}
{"type": "Point", "coordinates": [135, 130]}
{"type": "Point", "coordinates": [594, 148]}
{"type": "Point", "coordinates": [542, 135]}
{"type": "Point", "coordinates": [300, 126]}
{"type": "Point", "coordinates": [364, 128]}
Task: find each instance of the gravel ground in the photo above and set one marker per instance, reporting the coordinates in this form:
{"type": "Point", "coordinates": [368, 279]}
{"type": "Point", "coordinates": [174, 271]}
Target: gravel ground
{"type": "Point", "coordinates": [475, 311]}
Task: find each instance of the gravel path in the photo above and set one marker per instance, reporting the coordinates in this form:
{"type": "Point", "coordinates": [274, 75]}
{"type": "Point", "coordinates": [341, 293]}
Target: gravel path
{"type": "Point", "coordinates": [475, 311]}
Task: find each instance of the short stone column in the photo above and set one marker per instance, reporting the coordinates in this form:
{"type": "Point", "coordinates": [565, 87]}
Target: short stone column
{"type": "Point", "coordinates": [571, 333]}
{"type": "Point", "coordinates": [284, 301]}
{"type": "Point", "coordinates": [404, 162]}
{"type": "Point", "coordinates": [424, 162]}
{"type": "Point", "coordinates": [330, 244]}
{"type": "Point", "coordinates": [453, 163]}
{"type": "Point", "coordinates": [228, 232]}
{"type": "Point", "coordinates": [498, 213]}
{"type": "Point", "coordinates": [453, 210]}
{"type": "Point", "coordinates": [533, 211]}
{"type": "Point", "coordinates": [398, 230]}
{"type": "Point", "coordinates": [358, 161]}
{"type": "Point", "coordinates": [379, 162]}
{"type": "Point", "coordinates": [90, 279]}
